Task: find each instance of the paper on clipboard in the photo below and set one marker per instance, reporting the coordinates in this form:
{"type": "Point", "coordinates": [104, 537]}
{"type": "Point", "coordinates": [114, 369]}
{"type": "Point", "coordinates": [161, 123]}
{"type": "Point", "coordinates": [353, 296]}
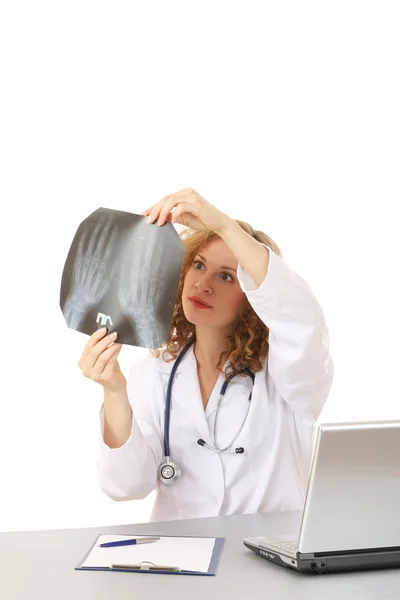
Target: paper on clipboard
{"type": "Point", "coordinates": [188, 553]}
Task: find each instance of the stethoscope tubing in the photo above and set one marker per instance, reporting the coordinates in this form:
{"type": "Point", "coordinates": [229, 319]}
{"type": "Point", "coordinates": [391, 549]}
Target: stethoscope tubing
{"type": "Point", "coordinates": [167, 414]}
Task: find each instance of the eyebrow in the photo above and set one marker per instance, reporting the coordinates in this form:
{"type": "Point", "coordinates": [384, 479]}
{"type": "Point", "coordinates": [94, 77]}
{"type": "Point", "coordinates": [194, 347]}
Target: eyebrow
{"type": "Point", "coordinates": [227, 268]}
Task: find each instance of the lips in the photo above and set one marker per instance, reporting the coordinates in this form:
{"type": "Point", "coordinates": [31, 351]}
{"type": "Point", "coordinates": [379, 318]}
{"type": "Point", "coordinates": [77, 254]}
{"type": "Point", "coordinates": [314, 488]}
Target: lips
{"type": "Point", "coordinates": [198, 303]}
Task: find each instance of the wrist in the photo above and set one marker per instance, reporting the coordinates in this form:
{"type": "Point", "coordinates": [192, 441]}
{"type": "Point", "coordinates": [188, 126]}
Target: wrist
{"type": "Point", "coordinates": [226, 226]}
{"type": "Point", "coordinates": [116, 396]}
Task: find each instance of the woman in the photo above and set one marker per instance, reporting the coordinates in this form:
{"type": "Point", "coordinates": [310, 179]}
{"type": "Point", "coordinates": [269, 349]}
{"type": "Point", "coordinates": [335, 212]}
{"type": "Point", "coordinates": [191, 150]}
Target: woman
{"type": "Point", "coordinates": [239, 306]}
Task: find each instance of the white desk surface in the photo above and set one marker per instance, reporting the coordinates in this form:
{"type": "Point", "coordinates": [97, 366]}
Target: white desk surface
{"type": "Point", "coordinates": [41, 565]}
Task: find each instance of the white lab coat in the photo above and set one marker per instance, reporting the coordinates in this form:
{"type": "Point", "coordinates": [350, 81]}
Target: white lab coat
{"type": "Point", "coordinates": [278, 437]}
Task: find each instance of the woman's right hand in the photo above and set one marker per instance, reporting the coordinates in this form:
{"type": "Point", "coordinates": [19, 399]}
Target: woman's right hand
{"type": "Point", "coordinates": [99, 362]}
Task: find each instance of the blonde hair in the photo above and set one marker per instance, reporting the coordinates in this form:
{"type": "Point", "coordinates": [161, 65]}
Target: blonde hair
{"type": "Point", "coordinates": [248, 346]}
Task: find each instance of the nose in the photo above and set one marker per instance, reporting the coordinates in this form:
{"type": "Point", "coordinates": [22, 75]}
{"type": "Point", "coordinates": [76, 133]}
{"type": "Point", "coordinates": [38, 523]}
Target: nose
{"type": "Point", "coordinates": [204, 284]}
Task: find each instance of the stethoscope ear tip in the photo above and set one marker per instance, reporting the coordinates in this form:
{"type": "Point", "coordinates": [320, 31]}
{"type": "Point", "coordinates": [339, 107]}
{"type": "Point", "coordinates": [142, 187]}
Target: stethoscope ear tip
{"type": "Point", "coordinates": [239, 450]}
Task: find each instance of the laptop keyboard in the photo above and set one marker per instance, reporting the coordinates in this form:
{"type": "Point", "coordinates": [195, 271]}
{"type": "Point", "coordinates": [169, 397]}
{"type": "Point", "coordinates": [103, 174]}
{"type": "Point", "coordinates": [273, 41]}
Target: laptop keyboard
{"type": "Point", "coordinates": [290, 547]}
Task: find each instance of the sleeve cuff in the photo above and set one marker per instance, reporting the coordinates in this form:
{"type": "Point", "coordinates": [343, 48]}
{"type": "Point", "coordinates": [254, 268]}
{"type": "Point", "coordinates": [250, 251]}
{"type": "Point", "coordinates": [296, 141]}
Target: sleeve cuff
{"type": "Point", "coordinates": [279, 277]}
{"type": "Point", "coordinates": [246, 281]}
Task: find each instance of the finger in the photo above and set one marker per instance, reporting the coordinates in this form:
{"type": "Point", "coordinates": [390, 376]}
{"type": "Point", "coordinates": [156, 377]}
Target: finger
{"type": "Point", "coordinates": [146, 212]}
{"type": "Point", "coordinates": [183, 207]}
{"type": "Point", "coordinates": [103, 360]}
{"type": "Point", "coordinates": [99, 348]}
{"type": "Point", "coordinates": [171, 203]}
{"type": "Point", "coordinates": [88, 371]}
{"type": "Point", "coordinates": [156, 209]}
{"type": "Point", "coordinates": [94, 352]}
{"type": "Point", "coordinates": [107, 361]}
{"type": "Point", "coordinates": [111, 367]}
{"type": "Point", "coordinates": [93, 340]}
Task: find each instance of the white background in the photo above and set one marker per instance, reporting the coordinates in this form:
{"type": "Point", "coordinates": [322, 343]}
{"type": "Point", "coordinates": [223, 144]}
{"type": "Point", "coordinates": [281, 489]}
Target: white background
{"type": "Point", "coordinates": [284, 114]}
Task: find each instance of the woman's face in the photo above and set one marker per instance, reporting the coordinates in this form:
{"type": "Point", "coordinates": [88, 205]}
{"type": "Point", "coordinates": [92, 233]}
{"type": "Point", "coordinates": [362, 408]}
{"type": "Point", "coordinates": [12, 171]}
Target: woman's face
{"type": "Point", "coordinates": [212, 279]}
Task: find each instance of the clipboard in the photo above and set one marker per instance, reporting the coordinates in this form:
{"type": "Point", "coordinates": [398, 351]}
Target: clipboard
{"type": "Point", "coordinates": [211, 555]}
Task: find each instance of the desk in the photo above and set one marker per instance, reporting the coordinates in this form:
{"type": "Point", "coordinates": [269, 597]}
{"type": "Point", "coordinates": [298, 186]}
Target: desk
{"type": "Point", "coordinates": [40, 564]}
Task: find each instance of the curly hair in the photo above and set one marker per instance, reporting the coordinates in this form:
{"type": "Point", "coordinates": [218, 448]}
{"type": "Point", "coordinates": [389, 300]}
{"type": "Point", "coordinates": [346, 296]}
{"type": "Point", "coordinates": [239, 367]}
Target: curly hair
{"type": "Point", "coordinates": [248, 346]}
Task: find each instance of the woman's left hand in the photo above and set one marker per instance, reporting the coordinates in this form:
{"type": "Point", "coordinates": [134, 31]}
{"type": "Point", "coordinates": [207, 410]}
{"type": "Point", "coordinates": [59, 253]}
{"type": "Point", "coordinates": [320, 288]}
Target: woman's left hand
{"type": "Point", "coordinates": [189, 209]}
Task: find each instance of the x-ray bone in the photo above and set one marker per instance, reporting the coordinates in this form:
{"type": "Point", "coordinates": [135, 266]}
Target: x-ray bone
{"type": "Point", "coordinates": [122, 273]}
{"type": "Point", "coordinates": [91, 269]}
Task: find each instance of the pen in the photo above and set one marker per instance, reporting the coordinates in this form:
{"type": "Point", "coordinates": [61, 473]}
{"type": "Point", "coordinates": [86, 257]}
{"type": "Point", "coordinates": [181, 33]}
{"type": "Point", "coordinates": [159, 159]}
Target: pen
{"type": "Point", "coordinates": [131, 542]}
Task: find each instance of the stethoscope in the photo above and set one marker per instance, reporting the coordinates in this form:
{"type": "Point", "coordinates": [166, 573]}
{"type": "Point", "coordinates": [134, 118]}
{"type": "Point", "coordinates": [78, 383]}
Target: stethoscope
{"type": "Point", "coordinates": [168, 471]}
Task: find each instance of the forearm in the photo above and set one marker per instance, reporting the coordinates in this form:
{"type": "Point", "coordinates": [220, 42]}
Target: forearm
{"type": "Point", "coordinates": [117, 418]}
{"type": "Point", "coordinates": [129, 454]}
{"type": "Point", "coordinates": [253, 256]}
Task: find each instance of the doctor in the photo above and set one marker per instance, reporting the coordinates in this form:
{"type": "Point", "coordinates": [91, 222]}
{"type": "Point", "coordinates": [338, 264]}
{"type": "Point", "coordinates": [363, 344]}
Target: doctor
{"type": "Point", "coordinates": [221, 419]}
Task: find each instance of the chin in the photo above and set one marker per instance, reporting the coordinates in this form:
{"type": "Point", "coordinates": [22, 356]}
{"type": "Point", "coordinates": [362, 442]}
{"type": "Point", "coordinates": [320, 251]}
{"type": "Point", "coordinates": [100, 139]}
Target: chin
{"type": "Point", "coordinates": [192, 317]}
{"type": "Point", "coordinates": [196, 317]}
{"type": "Point", "coordinates": [199, 317]}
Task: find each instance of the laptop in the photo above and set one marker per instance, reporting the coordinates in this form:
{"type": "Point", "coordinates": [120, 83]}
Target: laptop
{"type": "Point", "coordinates": [351, 516]}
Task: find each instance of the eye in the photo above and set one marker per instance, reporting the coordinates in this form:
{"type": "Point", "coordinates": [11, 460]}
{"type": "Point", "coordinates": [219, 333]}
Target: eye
{"type": "Point", "coordinates": [199, 262]}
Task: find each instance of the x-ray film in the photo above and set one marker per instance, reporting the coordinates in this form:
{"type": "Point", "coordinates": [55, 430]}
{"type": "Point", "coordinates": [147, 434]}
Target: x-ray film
{"type": "Point", "coordinates": [123, 274]}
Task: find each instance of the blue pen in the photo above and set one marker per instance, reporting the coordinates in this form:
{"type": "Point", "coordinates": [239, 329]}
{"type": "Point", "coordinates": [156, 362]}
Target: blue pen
{"type": "Point", "coordinates": [132, 542]}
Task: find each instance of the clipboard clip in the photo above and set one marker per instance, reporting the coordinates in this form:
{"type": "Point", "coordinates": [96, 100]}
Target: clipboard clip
{"type": "Point", "coordinates": [146, 566]}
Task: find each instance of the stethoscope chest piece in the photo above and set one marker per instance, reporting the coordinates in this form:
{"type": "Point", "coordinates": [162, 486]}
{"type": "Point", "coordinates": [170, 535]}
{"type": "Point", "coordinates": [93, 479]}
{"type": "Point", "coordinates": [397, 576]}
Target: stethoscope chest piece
{"type": "Point", "coordinates": [168, 471]}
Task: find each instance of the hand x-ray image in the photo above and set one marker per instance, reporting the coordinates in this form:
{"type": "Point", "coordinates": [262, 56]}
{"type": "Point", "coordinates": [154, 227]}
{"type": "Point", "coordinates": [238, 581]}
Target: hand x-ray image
{"type": "Point", "coordinates": [123, 274]}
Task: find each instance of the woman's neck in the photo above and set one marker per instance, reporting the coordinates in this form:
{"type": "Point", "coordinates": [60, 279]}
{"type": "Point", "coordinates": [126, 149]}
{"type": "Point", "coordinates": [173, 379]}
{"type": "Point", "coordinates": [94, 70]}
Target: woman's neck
{"type": "Point", "coordinates": [208, 347]}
